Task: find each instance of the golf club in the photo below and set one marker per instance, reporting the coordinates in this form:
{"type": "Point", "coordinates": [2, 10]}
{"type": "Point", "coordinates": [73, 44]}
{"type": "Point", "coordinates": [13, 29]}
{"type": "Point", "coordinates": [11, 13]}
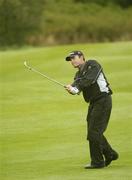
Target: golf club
{"type": "Point", "coordinates": [36, 71]}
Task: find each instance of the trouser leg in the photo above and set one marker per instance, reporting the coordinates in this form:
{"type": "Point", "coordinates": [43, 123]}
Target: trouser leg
{"type": "Point", "coordinates": [106, 148]}
{"type": "Point", "coordinates": [96, 154]}
{"type": "Point", "coordinates": [98, 117]}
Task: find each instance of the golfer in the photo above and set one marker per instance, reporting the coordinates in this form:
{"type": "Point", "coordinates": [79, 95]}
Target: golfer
{"type": "Point", "coordinates": [91, 81]}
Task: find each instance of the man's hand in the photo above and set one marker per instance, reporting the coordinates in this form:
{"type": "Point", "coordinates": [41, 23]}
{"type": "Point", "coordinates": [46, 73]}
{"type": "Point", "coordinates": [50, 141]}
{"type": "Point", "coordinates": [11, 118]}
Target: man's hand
{"type": "Point", "coordinates": [72, 90]}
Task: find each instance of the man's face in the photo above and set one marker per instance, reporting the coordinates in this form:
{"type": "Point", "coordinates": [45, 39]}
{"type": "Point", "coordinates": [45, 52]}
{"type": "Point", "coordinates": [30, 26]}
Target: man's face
{"type": "Point", "coordinates": [76, 61]}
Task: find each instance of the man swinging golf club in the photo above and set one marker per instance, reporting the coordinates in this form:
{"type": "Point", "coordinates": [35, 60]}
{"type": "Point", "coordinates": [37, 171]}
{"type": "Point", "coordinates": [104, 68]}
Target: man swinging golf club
{"type": "Point", "coordinates": [90, 79]}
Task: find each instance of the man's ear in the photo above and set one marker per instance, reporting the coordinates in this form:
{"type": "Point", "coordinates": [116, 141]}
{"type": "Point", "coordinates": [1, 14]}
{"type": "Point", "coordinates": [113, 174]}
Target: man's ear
{"type": "Point", "coordinates": [82, 58]}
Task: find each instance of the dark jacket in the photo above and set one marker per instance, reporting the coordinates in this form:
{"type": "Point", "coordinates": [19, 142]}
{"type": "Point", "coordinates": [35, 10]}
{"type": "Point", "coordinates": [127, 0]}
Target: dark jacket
{"type": "Point", "coordinates": [91, 80]}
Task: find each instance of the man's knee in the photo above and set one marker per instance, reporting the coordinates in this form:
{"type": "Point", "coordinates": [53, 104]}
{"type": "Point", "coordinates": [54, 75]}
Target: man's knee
{"type": "Point", "coordinates": [94, 136]}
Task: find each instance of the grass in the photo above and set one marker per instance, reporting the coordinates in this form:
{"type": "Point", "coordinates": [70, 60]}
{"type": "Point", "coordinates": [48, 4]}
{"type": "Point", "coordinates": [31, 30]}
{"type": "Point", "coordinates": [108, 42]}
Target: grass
{"type": "Point", "coordinates": [43, 129]}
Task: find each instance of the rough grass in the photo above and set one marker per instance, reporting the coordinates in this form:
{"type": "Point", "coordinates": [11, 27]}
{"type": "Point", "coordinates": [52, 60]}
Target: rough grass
{"type": "Point", "coordinates": [43, 129]}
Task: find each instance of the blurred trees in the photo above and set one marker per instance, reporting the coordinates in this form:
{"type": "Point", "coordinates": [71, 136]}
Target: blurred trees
{"type": "Point", "coordinates": [45, 22]}
{"type": "Point", "coordinates": [18, 19]}
{"type": "Point", "coordinates": [87, 23]}
{"type": "Point", "coordinates": [122, 3]}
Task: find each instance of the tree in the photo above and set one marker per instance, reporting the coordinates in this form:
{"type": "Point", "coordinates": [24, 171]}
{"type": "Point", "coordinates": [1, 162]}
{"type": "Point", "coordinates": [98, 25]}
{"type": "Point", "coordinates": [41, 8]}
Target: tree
{"type": "Point", "coordinates": [122, 3]}
{"type": "Point", "coordinates": [18, 19]}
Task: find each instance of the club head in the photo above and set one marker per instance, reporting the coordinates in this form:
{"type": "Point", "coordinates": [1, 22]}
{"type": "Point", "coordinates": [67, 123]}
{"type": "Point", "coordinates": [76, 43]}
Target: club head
{"type": "Point", "coordinates": [25, 64]}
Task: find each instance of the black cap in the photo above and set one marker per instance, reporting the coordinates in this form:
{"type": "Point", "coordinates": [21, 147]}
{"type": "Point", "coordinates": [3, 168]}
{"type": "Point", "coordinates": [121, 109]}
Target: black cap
{"type": "Point", "coordinates": [72, 54]}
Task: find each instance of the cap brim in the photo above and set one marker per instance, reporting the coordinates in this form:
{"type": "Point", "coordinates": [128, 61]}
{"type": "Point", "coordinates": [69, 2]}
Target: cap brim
{"type": "Point", "coordinates": [68, 58]}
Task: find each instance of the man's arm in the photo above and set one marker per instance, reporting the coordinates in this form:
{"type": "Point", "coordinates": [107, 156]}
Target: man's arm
{"type": "Point", "coordinates": [88, 76]}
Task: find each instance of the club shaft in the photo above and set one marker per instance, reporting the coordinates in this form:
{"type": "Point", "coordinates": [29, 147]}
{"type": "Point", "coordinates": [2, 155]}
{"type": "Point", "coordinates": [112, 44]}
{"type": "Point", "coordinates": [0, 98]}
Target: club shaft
{"type": "Point", "coordinates": [36, 71]}
{"type": "Point", "coordinates": [53, 80]}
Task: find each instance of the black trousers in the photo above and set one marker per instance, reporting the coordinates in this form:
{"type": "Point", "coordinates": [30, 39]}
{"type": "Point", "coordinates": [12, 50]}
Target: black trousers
{"type": "Point", "coordinates": [97, 121]}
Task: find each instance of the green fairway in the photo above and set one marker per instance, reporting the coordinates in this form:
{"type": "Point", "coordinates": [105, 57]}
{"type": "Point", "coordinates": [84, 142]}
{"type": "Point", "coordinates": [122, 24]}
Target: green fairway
{"type": "Point", "coordinates": [43, 128]}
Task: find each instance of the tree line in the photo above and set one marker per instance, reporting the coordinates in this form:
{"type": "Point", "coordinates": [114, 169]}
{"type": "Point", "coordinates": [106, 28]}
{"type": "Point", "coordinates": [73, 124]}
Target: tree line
{"type": "Point", "coordinates": [122, 3]}
{"type": "Point", "coordinates": [45, 22]}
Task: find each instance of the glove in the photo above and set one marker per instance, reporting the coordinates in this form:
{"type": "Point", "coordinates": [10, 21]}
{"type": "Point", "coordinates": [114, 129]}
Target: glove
{"type": "Point", "coordinates": [72, 90]}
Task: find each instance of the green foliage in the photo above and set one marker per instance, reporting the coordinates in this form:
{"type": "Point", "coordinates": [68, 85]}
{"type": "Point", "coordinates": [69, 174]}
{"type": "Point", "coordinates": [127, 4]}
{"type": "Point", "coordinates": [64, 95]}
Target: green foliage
{"type": "Point", "coordinates": [18, 19]}
{"type": "Point", "coordinates": [122, 3]}
{"type": "Point", "coordinates": [45, 22]}
{"type": "Point", "coordinates": [83, 23]}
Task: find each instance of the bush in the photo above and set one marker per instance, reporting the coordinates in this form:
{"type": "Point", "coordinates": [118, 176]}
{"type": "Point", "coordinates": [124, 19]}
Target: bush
{"type": "Point", "coordinates": [86, 23]}
{"type": "Point", "coordinates": [44, 22]}
{"type": "Point", "coordinates": [18, 19]}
